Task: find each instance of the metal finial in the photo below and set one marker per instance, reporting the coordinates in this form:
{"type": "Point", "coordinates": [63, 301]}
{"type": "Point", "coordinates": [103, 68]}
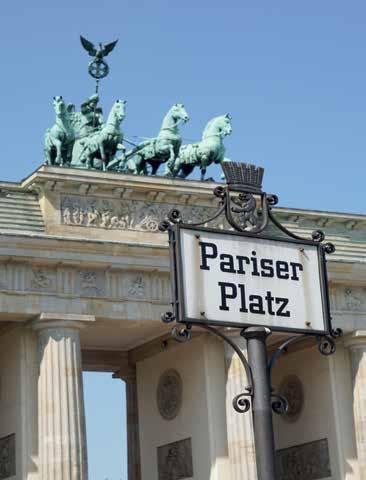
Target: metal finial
{"type": "Point", "coordinates": [98, 68]}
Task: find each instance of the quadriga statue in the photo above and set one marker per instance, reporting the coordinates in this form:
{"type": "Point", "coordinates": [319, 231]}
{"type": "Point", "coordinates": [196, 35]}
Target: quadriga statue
{"type": "Point", "coordinates": [202, 154]}
{"type": "Point", "coordinates": [86, 122]}
{"type": "Point", "coordinates": [99, 148]}
{"type": "Point", "coordinates": [59, 139]}
{"type": "Point", "coordinates": [164, 148]}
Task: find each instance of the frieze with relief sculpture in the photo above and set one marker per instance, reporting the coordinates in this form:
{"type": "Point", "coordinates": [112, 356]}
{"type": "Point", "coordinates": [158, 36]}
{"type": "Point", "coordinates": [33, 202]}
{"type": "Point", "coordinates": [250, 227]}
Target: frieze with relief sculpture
{"type": "Point", "coordinates": [124, 284]}
{"type": "Point", "coordinates": [89, 283]}
{"type": "Point", "coordinates": [124, 214]}
{"type": "Point", "coordinates": [137, 287]}
{"type": "Point", "coordinates": [347, 298]}
{"type": "Point", "coordinates": [42, 279]}
{"type": "Point", "coordinates": [120, 284]}
{"type": "Point", "coordinates": [83, 139]}
{"type": "Point", "coordinates": [352, 301]}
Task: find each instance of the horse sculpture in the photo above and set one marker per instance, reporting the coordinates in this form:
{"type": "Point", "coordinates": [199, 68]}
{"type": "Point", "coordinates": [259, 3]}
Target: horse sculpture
{"type": "Point", "coordinates": [209, 150]}
{"type": "Point", "coordinates": [164, 148]}
{"type": "Point", "coordinates": [59, 139]}
{"type": "Point", "coordinates": [99, 149]}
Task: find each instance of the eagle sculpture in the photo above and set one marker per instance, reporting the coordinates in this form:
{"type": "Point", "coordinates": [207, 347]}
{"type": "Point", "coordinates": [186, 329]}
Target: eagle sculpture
{"type": "Point", "coordinates": [102, 51]}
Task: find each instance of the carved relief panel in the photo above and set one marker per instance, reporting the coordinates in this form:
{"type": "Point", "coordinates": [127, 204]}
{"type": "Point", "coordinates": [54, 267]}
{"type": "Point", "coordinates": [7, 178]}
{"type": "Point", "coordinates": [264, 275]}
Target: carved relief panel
{"type": "Point", "coordinates": [122, 284]}
{"type": "Point", "coordinates": [175, 460]}
{"type": "Point", "coordinates": [309, 461]}
{"type": "Point", "coordinates": [348, 298]}
{"type": "Point", "coordinates": [292, 389]}
{"type": "Point", "coordinates": [169, 394]}
{"type": "Point", "coordinates": [125, 214]}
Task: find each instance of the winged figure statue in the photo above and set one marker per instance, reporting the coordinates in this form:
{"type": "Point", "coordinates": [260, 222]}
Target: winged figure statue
{"type": "Point", "coordinates": [97, 52]}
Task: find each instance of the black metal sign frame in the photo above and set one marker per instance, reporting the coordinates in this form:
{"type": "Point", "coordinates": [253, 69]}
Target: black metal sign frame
{"type": "Point", "coordinates": [248, 210]}
{"type": "Point", "coordinates": [178, 294]}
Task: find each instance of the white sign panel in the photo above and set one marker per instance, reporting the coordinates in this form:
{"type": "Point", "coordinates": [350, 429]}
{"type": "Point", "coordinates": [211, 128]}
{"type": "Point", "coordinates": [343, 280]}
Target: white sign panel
{"type": "Point", "coordinates": [239, 280]}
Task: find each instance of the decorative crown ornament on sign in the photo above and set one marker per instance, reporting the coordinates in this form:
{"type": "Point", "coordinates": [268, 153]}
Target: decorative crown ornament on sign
{"type": "Point", "coordinates": [243, 176]}
{"type": "Point", "coordinates": [85, 139]}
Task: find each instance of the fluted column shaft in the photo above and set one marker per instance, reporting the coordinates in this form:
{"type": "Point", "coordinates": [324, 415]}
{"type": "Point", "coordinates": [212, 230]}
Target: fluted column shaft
{"type": "Point", "coordinates": [357, 346]}
{"type": "Point", "coordinates": [239, 425]}
{"type": "Point", "coordinates": [62, 434]}
{"type": "Point", "coordinates": [133, 440]}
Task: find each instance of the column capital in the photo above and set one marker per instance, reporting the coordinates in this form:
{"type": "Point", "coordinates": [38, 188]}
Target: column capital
{"type": "Point", "coordinates": [126, 374]}
{"type": "Point", "coordinates": [62, 320]}
{"type": "Point", "coordinates": [355, 339]}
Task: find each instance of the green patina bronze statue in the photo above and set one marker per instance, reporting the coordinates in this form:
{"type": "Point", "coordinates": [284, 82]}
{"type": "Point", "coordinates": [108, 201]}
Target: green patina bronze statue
{"type": "Point", "coordinates": [90, 117]}
{"type": "Point", "coordinates": [164, 148]}
{"type": "Point", "coordinates": [59, 139]}
{"type": "Point", "coordinates": [85, 123]}
{"type": "Point", "coordinates": [100, 145]}
{"type": "Point", "coordinates": [84, 140]}
{"type": "Point", "coordinates": [201, 154]}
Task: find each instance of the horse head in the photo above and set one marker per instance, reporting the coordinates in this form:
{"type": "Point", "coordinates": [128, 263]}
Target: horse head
{"type": "Point", "coordinates": [118, 110]}
{"type": "Point", "coordinates": [220, 126]}
{"type": "Point", "coordinates": [178, 112]}
{"type": "Point", "coordinates": [59, 105]}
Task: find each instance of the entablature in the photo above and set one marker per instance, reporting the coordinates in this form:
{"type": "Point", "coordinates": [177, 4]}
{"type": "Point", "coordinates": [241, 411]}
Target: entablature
{"type": "Point", "coordinates": [86, 211]}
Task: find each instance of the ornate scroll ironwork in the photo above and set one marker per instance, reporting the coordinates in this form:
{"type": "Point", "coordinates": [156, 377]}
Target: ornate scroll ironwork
{"type": "Point", "coordinates": [248, 209]}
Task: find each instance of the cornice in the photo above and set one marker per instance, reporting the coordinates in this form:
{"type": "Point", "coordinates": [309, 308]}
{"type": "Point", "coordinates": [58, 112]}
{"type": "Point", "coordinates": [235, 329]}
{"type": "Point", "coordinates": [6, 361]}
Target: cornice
{"type": "Point", "coordinates": [118, 185]}
{"type": "Point", "coordinates": [159, 189]}
{"type": "Point", "coordinates": [58, 187]}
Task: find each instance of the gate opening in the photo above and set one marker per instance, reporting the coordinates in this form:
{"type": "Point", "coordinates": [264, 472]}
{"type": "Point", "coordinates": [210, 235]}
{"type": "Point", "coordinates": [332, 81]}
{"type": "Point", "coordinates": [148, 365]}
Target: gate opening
{"type": "Point", "coordinates": [105, 410]}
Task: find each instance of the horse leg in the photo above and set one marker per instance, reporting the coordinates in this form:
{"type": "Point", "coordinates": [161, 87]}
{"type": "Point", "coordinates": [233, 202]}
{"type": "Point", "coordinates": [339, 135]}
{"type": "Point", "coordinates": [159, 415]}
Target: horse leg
{"type": "Point", "coordinates": [69, 153]}
{"type": "Point", "coordinates": [172, 155]}
{"type": "Point", "coordinates": [171, 168]}
{"type": "Point", "coordinates": [47, 155]}
{"type": "Point", "coordinates": [89, 160]}
{"type": "Point", "coordinates": [122, 158]}
{"type": "Point", "coordinates": [154, 167]}
{"type": "Point", "coordinates": [58, 146]}
{"type": "Point", "coordinates": [103, 156]}
{"type": "Point", "coordinates": [139, 165]}
{"type": "Point", "coordinates": [170, 165]}
{"type": "Point", "coordinates": [185, 170]}
{"type": "Point", "coordinates": [204, 164]}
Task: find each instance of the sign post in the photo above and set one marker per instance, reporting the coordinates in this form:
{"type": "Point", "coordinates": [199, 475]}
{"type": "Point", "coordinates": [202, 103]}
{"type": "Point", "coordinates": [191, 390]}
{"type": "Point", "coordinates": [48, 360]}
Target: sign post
{"type": "Point", "coordinates": [261, 403]}
{"type": "Point", "coordinates": [244, 277]}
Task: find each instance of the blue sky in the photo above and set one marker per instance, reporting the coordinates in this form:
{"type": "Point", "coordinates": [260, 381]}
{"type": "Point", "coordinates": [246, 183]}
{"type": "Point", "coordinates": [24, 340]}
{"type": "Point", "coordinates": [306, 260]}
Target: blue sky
{"type": "Point", "coordinates": [292, 75]}
{"type": "Point", "coordinates": [106, 426]}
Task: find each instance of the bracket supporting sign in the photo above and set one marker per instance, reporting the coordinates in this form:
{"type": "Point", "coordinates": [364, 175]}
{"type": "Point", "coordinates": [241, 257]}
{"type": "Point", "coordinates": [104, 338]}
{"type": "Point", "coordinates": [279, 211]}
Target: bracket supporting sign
{"type": "Point", "coordinates": [245, 278]}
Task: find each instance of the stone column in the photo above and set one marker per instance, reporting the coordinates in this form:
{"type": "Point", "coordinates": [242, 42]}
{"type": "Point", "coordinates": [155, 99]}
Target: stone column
{"type": "Point", "coordinates": [133, 441]}
{"type": "Point", "coordinates": [61, 417]}
{"type": "Point", "coordinates": [356, 343]}
{"type": "Point", "coordinates": [239, 425]}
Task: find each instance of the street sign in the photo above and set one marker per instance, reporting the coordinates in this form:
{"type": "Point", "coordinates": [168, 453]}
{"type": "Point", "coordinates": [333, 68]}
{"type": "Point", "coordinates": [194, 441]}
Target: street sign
{"type": "Point", "coordinates": [237, 279]}
{"type": "Point", "coordinates": [243, 279]}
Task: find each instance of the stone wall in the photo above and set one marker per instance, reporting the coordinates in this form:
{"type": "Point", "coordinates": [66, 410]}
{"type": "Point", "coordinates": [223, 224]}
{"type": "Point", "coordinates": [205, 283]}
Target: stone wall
{"type": "Point", "coordinates": [200, 418]}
